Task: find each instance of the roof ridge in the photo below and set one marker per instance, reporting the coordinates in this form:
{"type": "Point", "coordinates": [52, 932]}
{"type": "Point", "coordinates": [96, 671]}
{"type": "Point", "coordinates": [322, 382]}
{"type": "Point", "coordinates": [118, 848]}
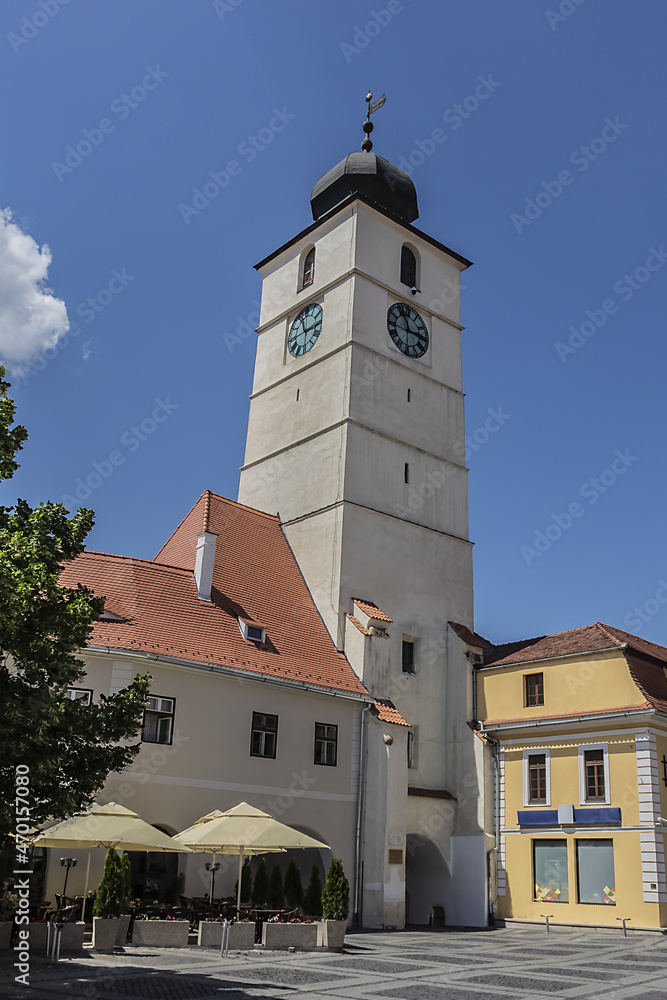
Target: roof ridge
{"type": "Point", "coordinates": [237, 503]}
{"type": "Point", "coordinates": [614, 638]}
{"type": "Point", "coordinates": [631, 635]}
{"type": "Point", "coordinates": [179, 525]}
{"type": "Point", "coordinates": [207, 507]}
{"type": "Point", "coordinates": [138, 559]}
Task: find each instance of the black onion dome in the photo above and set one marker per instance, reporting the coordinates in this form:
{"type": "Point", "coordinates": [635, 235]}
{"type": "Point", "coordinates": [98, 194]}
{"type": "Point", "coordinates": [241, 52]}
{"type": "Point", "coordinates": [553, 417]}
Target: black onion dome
{"type": "Point", "coordinates": [372, 177]}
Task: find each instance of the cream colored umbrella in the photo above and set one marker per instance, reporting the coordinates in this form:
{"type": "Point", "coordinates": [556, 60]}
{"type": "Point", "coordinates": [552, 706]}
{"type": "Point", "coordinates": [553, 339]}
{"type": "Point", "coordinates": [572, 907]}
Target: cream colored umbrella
{"type": "Point", "coordinates": [110, 825]}
{"type": "Point", "coordinates": [243, 830]}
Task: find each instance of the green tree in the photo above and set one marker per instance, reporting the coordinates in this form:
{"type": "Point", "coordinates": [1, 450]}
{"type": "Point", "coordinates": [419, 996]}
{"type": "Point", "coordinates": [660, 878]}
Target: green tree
{"type": "Point", "coordinates": [276, 896]}
{"type": "Point", "coordinates": [69, 748]}
{"type": "Point", "coordinates": [312, 903]}
{"type": "Point", "coordinates": [246, 882]}
{"type": "Point", "coordinates": [336, 895]}
{"type": "Point", "coordinates": [112, 895]}
{"type": "Point", "coordinates": [293, 886]}
{"type": "Point", "coordinates": [260, 886]}
{"type": "Point", "coordinates": [126, 869]}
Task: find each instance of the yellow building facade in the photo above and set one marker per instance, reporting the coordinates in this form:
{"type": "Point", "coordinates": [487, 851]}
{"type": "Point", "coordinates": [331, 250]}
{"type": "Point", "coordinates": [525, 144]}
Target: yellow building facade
{"type": "Point", "coordinates": [576, 727]}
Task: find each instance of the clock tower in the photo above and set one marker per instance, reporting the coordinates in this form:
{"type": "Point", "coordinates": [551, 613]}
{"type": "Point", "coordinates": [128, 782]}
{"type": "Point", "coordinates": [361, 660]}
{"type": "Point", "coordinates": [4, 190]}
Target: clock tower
{"type": "Point", "coordinates": [356, 439]}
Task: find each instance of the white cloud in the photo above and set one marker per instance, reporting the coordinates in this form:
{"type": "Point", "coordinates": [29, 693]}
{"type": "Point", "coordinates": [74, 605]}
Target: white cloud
{"type": "Point", "coordinates": [31, 317]}
{"type": "Point", "coordinates": [86, 350]}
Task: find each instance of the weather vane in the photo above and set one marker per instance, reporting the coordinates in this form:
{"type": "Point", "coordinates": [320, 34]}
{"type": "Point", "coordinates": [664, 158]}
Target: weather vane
{"type": "Point", "coordinates": [368, 126]}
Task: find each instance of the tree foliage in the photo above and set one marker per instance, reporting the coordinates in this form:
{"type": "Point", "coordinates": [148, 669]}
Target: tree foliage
{"type": "Point", "coordinates": [336, 894]}
{"type": "Point", "coordinates": [312, 903]}
{"type": "Point", "coordinates": [260, 886]}
{"type": "Point", "coordinates": [113, 894]}
{"type": "Point", "coordinates": [293, 886]}
{"type": "Point", "coordinates": [69, 748]}
{"type": "Point", "coordinates": [276, 896]}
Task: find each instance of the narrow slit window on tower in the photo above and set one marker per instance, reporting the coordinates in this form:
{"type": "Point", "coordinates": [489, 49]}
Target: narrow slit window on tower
{"type": "Point", "coordinates": [406, 473]}
{"type": "Point", "coordinates": [408, 656]}
{"type": "Point", "coordinates": [408, 267]}
{"type": "Point", "coordinates": [297, 394]}
{"type": "Point", "coordinates": [408, 395]}
{"type": "Point", "coordinates": [309, 268]}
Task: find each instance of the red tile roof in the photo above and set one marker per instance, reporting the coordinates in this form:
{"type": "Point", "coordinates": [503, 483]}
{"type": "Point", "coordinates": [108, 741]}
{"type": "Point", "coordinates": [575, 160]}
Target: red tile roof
{"type": "Point", "coordinates": [372, 610]}
{"type": "Point", "coordinates": [386, 711]}
{"type": "Point", "coordinates": [358, 625]}
{"type": "Point", "coordinates": [470, 637]}
{"type": "Point", "coordinates": [255, 577]}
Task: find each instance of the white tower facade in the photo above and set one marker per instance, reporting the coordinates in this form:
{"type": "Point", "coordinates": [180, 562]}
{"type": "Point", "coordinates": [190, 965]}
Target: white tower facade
{"type": "Point", "coordinates": [356, 439]}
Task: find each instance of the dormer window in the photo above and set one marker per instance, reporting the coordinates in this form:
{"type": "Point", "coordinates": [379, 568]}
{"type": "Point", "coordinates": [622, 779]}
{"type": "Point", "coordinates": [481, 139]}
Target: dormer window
{"type": "Point", "coordinates": [252, 631]}
{"type": "Point", "coordinates": [309, 268]}
{"type": "Point", "coordinates": [408, 267]}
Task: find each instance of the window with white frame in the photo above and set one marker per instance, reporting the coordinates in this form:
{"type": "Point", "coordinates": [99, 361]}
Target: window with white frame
{"type": "Point", "coordinates": [158, 720]}
{"type": "Point", "coordinates": [536, 777]}
{"type": "Point", "coordinates": [594, 773]}
{"type": "Point", "coordinates": [264, 735]}
{"type": "Point", "coordinates": [83, 696]}
{"type": "Point", "coordinates": [595, 872]}
{"type": "Point", "coordinates": [326, 744]}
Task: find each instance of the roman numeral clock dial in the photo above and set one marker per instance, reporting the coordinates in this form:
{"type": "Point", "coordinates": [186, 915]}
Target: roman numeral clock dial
{"type": "Point", "coordinates": [407, 329]}
{"type": "Point", "coordinates": [305, 330]}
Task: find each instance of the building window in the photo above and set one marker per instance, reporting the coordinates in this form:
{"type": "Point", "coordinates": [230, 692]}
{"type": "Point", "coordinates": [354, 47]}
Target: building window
{"type": "Point", "coordinates": [408, 267]}
{"type": "Point", "coordinates": [264, 735]}
{"type": "Point", "coordinates": [534, 689]}
{"type": "Point", "coordinates": [309, 269]}
{"type": "Point", "coordinates": [408, 656]}
{"type": "Point", "coordinates": [595, 872]}
{"type": "Point", "coordinates": [593, 773]}
{"type": "Point", "coordinates": [326, 744]}
{"type": "Point", "coordinates": [537, 778]}
{"type": "Point", "coordinates": [550, 871]}
{"type": "Point", "coordinates": [82, 695]}
{"type": "Point", "coordinates": [252, 631]}
{"type": "Point", "coordinates": [158, 720]}
{"type": "Point", "coordinates": [412, 747]}
{"type": "Point", "coordinates": [406, 472]}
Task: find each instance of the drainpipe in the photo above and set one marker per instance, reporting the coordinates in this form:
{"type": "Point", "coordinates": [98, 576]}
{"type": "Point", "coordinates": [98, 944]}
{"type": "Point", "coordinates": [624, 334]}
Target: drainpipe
{"type": "Point", "coordinates": [358, 894]}
{"type": "Point", "coordinates": [496, 798]}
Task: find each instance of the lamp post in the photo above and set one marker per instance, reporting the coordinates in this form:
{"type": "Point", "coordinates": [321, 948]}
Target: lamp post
{"type": "Point", "coordinates": [67, 863]}
{"type": "Point", "coordinates": [212, 868]}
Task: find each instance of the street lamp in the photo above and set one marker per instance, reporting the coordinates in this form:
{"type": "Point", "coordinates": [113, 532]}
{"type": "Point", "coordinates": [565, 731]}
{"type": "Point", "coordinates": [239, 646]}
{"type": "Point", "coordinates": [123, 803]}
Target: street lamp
{"type": "Point", "coordinates": [67, 863]}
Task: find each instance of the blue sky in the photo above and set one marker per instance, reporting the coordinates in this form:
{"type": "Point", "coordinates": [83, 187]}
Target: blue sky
{"type": "Point", "coordinates": [552, 183]}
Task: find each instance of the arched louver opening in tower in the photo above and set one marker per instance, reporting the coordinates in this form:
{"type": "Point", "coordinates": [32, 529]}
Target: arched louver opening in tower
{"type": "Point", "coordinates": [309, 268]}
{"type": "Point", "coordinates": [408, 267]}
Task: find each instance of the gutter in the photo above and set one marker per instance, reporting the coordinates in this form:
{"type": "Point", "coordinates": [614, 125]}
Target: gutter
{"type": "Point", "coordinates": [217, 668]}
{"type": "Point", "coordinates": [537, 723]}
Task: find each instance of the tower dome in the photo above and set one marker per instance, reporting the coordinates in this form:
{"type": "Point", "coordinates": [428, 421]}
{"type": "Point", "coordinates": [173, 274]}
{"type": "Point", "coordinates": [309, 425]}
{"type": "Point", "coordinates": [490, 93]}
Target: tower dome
{"type": "Point", "coordinates": [372, 177]}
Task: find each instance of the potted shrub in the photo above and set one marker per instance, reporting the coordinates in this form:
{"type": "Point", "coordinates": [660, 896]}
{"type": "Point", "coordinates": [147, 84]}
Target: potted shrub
{"type": "Point", "coordinates": [293, 886]}
{"type": "Point", "coordinates": [125, 916]}
{"type": "Point", "coordinates": [312, 902]}
{"type": "Point", "coordinates": [335, 907]}
{"type": "Point", "coordinates": [111, 900]}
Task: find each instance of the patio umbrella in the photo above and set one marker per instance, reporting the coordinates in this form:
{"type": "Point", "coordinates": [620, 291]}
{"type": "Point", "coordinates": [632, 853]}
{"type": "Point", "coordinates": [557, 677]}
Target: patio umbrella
{"type": "Point", "coordinates": [110, 825]}
{"type": "Point", "coordinates": [243, 830]}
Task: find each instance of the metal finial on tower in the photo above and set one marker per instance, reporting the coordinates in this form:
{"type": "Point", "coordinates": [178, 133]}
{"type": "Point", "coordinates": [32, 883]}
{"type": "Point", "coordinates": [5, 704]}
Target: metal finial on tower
{"type": "Point", "coordinates": [368, 126]}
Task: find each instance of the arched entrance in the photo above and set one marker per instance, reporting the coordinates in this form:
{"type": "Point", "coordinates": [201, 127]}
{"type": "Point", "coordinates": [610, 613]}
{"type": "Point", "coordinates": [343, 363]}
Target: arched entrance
{"type": "Point", "coordinates": [427, 875]}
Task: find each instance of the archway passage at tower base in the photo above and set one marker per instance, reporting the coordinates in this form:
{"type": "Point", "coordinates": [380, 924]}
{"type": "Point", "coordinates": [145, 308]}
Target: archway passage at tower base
{"type": "Point", "coordinates": [427, 878]}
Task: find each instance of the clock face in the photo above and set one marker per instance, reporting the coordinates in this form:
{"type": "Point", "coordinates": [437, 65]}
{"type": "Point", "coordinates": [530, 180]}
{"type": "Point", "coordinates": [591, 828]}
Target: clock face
{"type": "Point", "coordinates": [407, 329]}
{"type": "Point", "coordinates": [305, 330]}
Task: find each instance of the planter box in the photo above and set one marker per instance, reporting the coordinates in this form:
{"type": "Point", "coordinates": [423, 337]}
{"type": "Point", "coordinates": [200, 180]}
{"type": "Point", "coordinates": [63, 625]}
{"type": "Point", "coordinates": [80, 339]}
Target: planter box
{"type": "Point", "coordinates": [331, 933]}
{"type": "Point", "coordinates": [241, 935]}
{"type": "Point", "coordinates": [123, 926]}
{"type": "Point", "coordinates": [5, 933]}
{"type": "Point", "coordinates": [276, 935]}
{"type": "Point", "coordinates": [105, 931]}
{"type": "Point", "coordinates": [71, 938]}
{"type": "Point", "coordinates": [160, 933]}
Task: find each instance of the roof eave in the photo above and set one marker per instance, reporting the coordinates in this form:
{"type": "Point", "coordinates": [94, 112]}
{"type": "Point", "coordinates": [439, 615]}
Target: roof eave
{"type": "Point", "coordinates": [566, 720]}
{"type": "Point", "coordinates": [232, 672]}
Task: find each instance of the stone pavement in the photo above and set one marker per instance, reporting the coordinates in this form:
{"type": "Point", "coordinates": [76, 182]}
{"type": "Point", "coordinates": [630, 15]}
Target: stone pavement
{"type": "Point", "coordinates": [517, 962]}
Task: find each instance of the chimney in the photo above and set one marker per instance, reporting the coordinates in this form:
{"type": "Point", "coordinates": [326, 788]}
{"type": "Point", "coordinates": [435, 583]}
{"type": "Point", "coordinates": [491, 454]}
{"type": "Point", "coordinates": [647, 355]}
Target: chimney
{"type": "Point", "coordinates": [204, 564]}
